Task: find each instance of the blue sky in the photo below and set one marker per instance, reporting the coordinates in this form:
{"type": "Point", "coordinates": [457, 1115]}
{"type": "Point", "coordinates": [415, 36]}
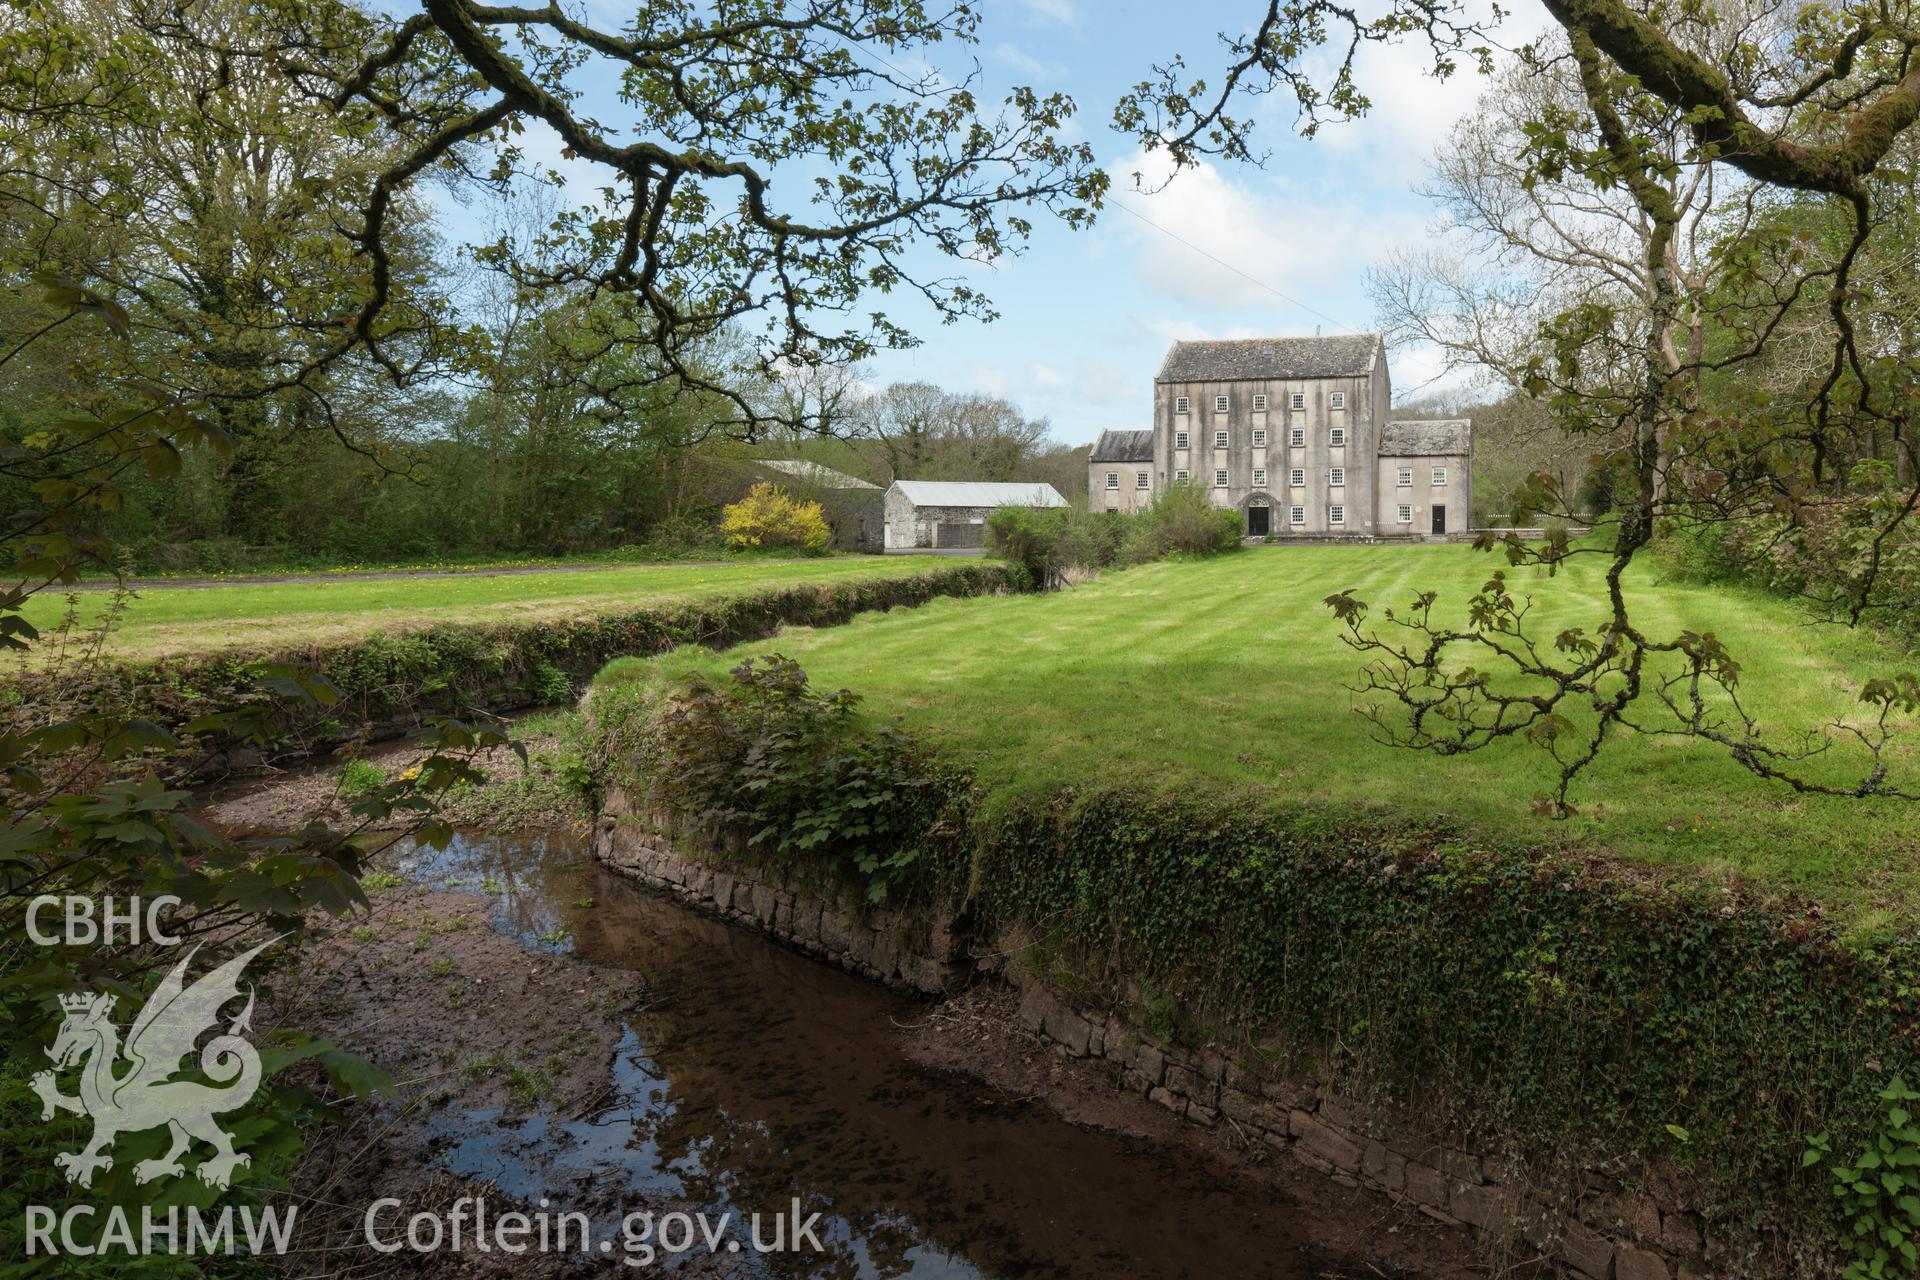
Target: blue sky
{"type": "Point", "coordinates": [1086, 316]}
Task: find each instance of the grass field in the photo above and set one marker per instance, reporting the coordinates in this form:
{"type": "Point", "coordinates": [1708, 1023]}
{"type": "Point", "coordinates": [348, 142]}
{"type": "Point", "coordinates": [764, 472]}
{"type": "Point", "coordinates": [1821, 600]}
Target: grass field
{"type": "Point", "coordinates": [163, 621]}
{"type": "Point", "coordinates": [1230, 674]}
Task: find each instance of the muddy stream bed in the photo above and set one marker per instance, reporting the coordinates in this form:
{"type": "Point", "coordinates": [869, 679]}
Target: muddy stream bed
{"type": "Point", "coordinates": [747, 1077]}
{"type": "Point", "coordinates": [566, 1036]}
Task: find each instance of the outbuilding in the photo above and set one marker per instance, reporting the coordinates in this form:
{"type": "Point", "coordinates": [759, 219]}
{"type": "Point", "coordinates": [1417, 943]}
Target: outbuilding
{"type": "Point", "coordinates": [1425, 479]}
{"type": "Point", "coordinates": [953, 513]}
{"type": "Point", "coordinates": [852, 505]}
{"type": "Point", "coordinates": [1120, 471]}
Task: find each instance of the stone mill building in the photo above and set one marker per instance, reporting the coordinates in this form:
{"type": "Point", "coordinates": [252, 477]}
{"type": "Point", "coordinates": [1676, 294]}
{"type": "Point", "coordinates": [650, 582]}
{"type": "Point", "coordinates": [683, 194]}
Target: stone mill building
{"type": "Point", "coordinates": [1297, 435]}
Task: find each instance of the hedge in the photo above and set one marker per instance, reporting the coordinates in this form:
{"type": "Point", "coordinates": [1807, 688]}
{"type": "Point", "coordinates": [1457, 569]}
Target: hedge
{"type": "Point", "coordinates": [387, 683]}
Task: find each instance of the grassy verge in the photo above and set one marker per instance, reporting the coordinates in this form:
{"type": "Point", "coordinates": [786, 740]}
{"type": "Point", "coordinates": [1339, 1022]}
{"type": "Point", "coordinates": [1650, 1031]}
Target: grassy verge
{"type": "Point", "coordinates": [293, 564]}
{"type": "Point", "coordinates": [1227, 677]}
{"type": "Point", "coordinates": [232, 709]}
{"type": "Point", "coordinates": [162, 622]}
{"type": "Point", "coordinates": [1163, 804]}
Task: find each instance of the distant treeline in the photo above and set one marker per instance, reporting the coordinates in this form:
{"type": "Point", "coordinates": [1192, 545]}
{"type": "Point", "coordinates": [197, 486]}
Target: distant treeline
{"type": "Point", "coordinates": [524, 468]}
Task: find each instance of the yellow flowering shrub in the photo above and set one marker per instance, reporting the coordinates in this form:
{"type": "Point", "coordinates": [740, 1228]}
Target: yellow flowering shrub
{"type": "Point", "coordinates": [770, 517]}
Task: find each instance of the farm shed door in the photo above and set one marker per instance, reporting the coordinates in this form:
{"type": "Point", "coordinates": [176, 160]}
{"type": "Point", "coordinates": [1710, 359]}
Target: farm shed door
{"type": "Point", "coordinates": [960, 533]}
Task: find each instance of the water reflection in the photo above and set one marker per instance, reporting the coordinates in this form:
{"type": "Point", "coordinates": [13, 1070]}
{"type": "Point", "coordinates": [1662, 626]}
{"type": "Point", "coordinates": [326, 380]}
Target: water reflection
{"type": "Point", "coordinates": [754, 1076]}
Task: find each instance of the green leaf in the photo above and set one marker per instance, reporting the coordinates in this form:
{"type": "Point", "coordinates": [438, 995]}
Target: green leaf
{"type": "Point", "coordinates": [356, 1077]}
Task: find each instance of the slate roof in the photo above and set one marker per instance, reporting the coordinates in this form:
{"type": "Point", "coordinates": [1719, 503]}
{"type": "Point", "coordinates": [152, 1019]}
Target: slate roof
{"type": "Point", "coordinates": [1123, 446]}
{"type": "Point", "coordinates": [1247, 359]}
{"type": "Point", "coordinates": [815, 474]}
{"type": "Point", "coordinates": [969, 493]}
{"type": "Point", "coordinates": [1424, 439]}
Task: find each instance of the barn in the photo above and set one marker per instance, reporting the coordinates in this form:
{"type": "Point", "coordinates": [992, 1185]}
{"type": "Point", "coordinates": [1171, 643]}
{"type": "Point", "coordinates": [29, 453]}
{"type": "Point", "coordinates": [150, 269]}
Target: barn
{"type": "Point", "coordinates": [853, 507]}
{"type": "Point", "coordinates": [953, 513]}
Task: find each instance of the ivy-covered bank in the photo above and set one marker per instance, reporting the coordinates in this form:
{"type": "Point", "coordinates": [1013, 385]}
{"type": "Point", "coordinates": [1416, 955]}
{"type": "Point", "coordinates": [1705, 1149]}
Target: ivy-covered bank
{"type": "Point", "coordinates": [237, 709]}
{"type": "Point", "coordinates": [1551, 1014]}
{"type": "Point", "coordinates": [1672, 1065]}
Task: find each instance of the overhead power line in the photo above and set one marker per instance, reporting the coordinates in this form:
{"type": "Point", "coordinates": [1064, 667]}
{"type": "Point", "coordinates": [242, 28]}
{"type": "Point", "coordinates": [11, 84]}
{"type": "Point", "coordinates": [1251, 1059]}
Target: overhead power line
{"type": "Point", "coordinates": [1251, 279]}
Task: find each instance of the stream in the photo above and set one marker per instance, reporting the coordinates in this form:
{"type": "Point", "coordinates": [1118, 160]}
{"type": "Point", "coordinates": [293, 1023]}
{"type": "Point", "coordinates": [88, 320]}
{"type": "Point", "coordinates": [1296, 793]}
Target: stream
{"type": "Point", "coordinates": [750, 1076]}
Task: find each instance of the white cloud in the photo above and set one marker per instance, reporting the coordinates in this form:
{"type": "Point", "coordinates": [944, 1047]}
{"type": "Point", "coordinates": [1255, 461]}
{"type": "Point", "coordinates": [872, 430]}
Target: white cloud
{"type": "Point", "coordinates": [989, 379]}
{"type": "Point", "coordinates": [1044, 377]}
{"type": "Point", "coordinates": [1018, 59]}
{"type": "Point", "coordinates": [544, 151]}
{"type": "Point", "coordinates": [1413, 110]}
{"type": "Point", "coordinates": [1057, 13]}
{"type": "Point", "coordinates": [1165, 333]}
{"type": "Point", "coordinates": [1420, 369]}
{"type": "Point", "coordinates": [1171, 331]}
{"type": "Point", "coordinates": [1216, 244]}
{"type": "Point", "coordinates": [1107, 384]}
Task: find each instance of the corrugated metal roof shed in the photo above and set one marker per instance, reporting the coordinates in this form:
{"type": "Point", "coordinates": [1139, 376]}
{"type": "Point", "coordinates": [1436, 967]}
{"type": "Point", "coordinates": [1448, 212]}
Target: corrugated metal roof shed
{"type": "Point", "coordinates": [814, 473]}
{"type": "Point", "coordinates": [969, 493]}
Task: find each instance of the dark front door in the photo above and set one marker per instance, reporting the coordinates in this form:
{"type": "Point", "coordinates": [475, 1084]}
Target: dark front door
{"type": "Point", "coordinates": [1439, 519]}
{"type": "Point", "coordinates": [1257, 521]}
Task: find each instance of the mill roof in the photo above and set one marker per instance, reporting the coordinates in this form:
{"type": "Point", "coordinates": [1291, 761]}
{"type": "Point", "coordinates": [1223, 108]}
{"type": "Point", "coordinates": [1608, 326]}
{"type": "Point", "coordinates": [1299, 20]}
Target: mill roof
{"type": "Point", "coordinates": [1422, 439]}
{"type": "Point", "coordinates": [1254, 359]}
{"type": "Point", "coordinates": [1123, 446]}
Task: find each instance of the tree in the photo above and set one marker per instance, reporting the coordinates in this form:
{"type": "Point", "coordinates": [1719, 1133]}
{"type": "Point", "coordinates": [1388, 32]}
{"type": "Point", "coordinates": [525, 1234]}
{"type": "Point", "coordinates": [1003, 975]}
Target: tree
{"type": "Point", "coordinates": [822, 399]}
{"type": "Point", "coordinates": [568, 402]}
{"type": "Point", "coordinates": [987, 438]}
{"type": "Point", "coordinates": [688, 227]}
{"type": "Point", "coordinates": [201, 191]}
{"type": "Point", "coordinates": [1542, 245]}
{"type": "Point", "coordinates": [690, 239]}
{"type": "Point", "coordinates": [1800, 104]}
{"type": "Point", "coordinates": [908, 417]}
{"type": "Point", "coordinates": [930, 433]}
{"type": "Point", "coordinates": [689, 245]}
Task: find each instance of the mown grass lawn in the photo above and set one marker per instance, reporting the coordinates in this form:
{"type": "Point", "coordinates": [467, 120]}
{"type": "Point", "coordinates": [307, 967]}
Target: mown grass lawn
{"type": "Point", "coordinates": [1229, 674]}
{"type": "Point", "coordinates": [162, 621]}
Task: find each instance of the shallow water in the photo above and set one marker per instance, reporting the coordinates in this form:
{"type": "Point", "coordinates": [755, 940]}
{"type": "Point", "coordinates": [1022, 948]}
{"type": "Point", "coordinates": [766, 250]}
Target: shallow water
{"type": "Point", "coordinates": [753, 1075]}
